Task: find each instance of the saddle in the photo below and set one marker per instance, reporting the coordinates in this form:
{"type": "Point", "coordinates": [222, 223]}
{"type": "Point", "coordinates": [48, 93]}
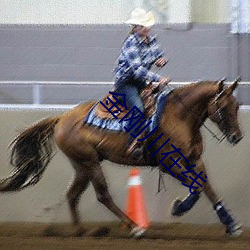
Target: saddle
{"type": "Point", "coordinates": [106, 107]}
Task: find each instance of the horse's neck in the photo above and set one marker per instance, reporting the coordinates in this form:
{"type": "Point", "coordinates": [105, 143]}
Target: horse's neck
{"type": "Point", "coordinates": [194, 102]}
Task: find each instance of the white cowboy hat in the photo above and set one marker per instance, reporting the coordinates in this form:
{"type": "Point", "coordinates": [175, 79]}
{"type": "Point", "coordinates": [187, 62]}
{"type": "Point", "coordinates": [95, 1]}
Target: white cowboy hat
{"type": "Point", "coordinates": [141, 17]}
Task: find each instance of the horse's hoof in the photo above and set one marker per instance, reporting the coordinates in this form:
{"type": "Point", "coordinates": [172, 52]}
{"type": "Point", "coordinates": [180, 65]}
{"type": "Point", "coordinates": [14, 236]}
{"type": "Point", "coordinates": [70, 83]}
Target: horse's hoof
{"type": "Point", "coordinates": [99, 232]}
{"type": "Point", "coordinates": [49, 232]}
{"type": "Point", "coordinates": [78, 232]}
{"type": "Point", "coordinates": [234, 230]}
{"type": "Point", "coordinates": [174, 209]}
{"type": "Point", "coordinates": [138, 232]}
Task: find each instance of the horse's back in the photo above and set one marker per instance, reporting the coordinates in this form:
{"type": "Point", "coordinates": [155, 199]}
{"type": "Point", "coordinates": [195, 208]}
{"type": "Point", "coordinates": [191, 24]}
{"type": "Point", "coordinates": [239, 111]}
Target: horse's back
{"type": "Point", "coordinates": [78, 112]}
{"type": "Point", "coordinates": [72, 119]}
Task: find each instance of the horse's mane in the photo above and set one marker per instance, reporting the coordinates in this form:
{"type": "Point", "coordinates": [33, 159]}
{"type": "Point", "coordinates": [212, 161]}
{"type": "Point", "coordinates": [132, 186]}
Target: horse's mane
{"type": "Point", "coordinates": [186, 90]}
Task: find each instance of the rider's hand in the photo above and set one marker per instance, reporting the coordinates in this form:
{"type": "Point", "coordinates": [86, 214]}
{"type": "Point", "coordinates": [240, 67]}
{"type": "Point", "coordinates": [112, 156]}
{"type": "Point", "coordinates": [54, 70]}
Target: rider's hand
{"type": "Point", "coordinates": [160, 62]}
{"type": "Point", "coordinates": [164, 80]}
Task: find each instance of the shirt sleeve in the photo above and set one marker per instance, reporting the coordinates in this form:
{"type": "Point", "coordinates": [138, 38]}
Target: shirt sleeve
{"type": "Point", "coordinates": [132, 54]}
{"type": "Point", "coordinates": [158, 53]}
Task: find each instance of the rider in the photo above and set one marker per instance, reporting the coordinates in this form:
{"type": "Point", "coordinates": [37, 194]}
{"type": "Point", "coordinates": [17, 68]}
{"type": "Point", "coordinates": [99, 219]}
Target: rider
{"type": "Point", "coordinates": [139, 52]}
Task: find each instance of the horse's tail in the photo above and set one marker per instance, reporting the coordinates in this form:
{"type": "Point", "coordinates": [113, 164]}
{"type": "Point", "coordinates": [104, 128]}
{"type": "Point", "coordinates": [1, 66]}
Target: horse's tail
{"type": "Point", "coordinates": [31, 152]}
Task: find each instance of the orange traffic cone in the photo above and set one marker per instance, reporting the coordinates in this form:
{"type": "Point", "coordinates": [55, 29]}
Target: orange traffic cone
{"type": "Point", "coordinates": [136, 209]}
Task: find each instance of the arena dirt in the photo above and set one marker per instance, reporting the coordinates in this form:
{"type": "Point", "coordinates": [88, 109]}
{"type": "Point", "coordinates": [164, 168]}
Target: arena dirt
{"type": "Point", "coordinates": [114, 236]}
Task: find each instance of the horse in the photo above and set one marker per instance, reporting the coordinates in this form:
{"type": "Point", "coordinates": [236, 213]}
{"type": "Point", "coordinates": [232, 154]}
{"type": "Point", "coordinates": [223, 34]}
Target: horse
{"type": "Point", "coordinates": [86, 146]}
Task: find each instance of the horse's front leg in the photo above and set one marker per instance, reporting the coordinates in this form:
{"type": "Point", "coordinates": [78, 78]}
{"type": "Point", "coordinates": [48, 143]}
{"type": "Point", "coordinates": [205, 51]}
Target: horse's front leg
{"type": "Point", "coordinates": [232, 227]}
{"type": "Point", "coordinates": [182, 206]}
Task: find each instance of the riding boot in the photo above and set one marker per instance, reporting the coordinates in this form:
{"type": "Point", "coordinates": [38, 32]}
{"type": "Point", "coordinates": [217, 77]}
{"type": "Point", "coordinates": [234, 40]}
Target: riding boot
{"type": "Point", "coordinates": [135, 148]}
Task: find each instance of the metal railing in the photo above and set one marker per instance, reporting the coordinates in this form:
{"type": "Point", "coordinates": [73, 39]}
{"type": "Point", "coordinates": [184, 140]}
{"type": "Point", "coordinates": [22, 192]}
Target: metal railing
{"type": "Point", "coordinates": [38, 93]}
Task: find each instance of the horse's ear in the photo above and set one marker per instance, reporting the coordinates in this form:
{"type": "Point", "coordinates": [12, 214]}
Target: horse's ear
{"type": "Point", "coordinates": [235, 84]}
{"type": "Point", "coordinates": [221, 85]}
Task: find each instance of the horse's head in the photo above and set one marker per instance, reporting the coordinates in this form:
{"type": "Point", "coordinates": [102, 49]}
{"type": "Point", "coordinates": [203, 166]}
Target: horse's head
{"type": "Point", "coordinates": [223, 111]}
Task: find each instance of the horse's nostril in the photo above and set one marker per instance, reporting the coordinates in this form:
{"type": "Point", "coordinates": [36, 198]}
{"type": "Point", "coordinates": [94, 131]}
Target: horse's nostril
{"type": "Point", "coordinates": [235, 139]}
{"type": "Point", "coordinates": [239, 138]}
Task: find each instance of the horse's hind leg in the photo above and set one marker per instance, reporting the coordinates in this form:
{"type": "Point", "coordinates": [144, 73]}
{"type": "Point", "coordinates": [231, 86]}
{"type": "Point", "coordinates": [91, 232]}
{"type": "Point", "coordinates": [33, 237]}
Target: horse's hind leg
{"type": "Point", "coordinates": [103, 196]}
{"type": "Point", "coordinates": [78, 186]}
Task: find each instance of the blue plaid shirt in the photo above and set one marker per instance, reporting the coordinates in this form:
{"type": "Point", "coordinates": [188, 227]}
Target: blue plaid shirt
{"type": "Point", "coordinates": [136, 59]}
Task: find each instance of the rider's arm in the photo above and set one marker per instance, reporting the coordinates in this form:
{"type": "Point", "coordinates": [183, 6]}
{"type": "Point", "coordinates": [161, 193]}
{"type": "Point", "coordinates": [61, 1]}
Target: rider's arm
{"type": "Point", "coordinates": [132, 54]}
{"type": "Point", "coordinates": [156, 51]}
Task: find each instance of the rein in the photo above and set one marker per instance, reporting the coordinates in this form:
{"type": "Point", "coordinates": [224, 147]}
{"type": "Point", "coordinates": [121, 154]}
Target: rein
{"type": "Point", "coordinates": [191, 112]}
{"type": "Point", "coordinates": [217, 111]}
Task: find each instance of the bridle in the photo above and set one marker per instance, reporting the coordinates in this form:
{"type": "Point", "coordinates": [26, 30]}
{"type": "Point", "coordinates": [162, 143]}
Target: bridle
{"type": "Point", "coordinates": [218, 114]}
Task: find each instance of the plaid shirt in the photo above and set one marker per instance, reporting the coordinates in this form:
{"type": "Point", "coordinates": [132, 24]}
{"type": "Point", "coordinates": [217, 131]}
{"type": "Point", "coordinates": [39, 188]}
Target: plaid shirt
{"type": "Point", "coordinates": [136, 59]}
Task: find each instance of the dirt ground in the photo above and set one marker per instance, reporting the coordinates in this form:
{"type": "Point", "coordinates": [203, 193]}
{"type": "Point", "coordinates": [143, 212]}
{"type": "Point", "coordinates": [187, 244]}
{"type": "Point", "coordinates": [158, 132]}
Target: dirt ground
{"type": "Point", "coordinates": [168, 236]}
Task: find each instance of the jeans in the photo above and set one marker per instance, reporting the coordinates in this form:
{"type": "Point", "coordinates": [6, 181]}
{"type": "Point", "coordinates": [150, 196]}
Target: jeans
{"type": "Point", "coordinates": [132, 96]}
{"type": "Point", "coordinates": [132, 92]}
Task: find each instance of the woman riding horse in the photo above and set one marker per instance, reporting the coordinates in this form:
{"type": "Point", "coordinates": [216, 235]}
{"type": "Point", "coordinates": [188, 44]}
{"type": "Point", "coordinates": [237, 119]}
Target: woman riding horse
{"type": "Point", "coordinates": [86, 147]}
{"type": "Point", "coordinates": [138, 54]}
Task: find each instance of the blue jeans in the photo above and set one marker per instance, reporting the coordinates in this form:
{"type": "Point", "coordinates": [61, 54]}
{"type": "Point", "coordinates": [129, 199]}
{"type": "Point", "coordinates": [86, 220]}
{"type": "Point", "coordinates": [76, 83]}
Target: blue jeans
{"type": "Point", "coordinates": [132, 96]}
{"type": "Point", "coordinates": [132, 92]}
{"type": "Point", "coordinates": [131, 88]}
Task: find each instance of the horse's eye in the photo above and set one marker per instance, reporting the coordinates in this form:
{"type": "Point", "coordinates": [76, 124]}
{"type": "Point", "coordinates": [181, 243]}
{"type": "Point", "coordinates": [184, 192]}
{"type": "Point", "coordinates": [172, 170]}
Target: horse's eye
{"type": "Point", "coordinates": [222, 108]}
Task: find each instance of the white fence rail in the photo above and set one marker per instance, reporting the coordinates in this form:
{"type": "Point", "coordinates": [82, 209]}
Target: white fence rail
{"type": "Point", "coordinates": [36, 87]}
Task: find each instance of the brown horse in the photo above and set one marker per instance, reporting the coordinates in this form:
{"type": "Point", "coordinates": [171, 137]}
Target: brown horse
{"type": "Point", "coordinates": [86, 146]}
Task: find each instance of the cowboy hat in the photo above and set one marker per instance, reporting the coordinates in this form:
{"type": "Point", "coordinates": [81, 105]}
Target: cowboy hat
{"type": "Point", "coordinates": [141, 17]}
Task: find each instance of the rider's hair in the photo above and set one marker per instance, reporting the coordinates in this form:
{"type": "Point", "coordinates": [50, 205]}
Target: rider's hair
{"type": "Point", "coordinates": [133, 29]}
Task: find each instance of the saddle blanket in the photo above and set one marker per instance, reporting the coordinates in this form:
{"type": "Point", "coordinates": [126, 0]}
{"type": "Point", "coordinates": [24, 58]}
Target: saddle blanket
{"type": "Point", "coordinates": [120, 124]}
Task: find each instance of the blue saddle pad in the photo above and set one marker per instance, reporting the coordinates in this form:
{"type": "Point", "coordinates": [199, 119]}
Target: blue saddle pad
{"type": "Point", "coordinates": [120, 124]}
